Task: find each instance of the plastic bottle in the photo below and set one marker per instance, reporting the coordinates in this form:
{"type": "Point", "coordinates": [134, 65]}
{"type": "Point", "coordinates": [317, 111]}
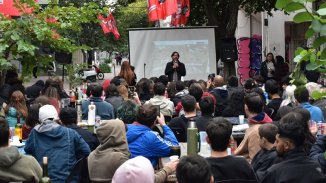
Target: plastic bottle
{"type": "Point", "coordinates": [19, 128]}
{"type": "Point", "coordinates": [91, 114]}
{"type": "Point", "coordinates": [79, 111]}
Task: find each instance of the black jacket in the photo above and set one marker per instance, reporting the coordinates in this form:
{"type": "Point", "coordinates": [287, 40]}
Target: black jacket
{"type": "Point", "coordinates": [317, 152]}
{"type": "Point", "coordinates": [179, 127]}
{"type": "Point", "coordinates": [90, 138]}
{"type": "Point", "coordinates": [264, 70]}
{"type": "Point", "coordinates": [263, 160]}
{"type": "Point", "coordinates": [181, 70]}
{"type": "Point", "coordinates": [296, 167]}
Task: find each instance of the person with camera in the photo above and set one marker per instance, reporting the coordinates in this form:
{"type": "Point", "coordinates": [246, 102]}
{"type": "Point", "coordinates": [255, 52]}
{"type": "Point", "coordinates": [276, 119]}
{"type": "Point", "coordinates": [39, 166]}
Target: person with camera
{"type": "Point", "coordinates": [175, 69]}
{"type": "Point", "coordinates": [143, 141]}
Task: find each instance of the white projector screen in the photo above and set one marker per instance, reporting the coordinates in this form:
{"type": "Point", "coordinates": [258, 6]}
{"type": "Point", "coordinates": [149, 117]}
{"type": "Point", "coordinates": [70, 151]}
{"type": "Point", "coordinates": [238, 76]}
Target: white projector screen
{"type": "Point", "coordinates": [152, 48]}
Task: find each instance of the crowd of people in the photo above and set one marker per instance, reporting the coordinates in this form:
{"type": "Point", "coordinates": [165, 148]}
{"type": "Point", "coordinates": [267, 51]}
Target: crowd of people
{"type": "Point", "coordinates": [285, 141]}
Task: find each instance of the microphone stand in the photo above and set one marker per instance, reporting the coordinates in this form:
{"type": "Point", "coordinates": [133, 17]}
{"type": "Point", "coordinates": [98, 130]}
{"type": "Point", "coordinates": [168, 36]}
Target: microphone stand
{"type": "Point", "coordinates": [144, 69]}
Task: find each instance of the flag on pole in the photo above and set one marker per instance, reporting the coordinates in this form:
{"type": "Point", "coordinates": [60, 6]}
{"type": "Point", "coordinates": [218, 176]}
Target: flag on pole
{"type": "Point", "coordinates": [181, 16]}
{"type": "Point", "coordinates": [109, 25]}
{"type": "Point", "coordinates": [160, 9]}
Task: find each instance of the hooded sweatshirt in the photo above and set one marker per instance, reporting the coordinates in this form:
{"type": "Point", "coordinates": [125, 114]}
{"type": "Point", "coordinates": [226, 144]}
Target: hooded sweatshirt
{"type": "Point", "coordinates": [143, 141]}
{"type": "Point", "coordinates": [112, 152]}
{"type": "Point", "coordinates": [166, 106]}
{"type": "Point", "coordinates": [250, 143]}
{"type": "Point", "coordinates": [63, 147]}
{"type": "Point", "coordinates": [17, 167]}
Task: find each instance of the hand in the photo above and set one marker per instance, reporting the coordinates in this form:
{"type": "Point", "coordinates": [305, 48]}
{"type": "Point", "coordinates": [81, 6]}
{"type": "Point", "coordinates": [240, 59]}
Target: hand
{"type": "Point", "coordinates": [172, 164]}
{"type": "Point", "coordinates": [136, 98]}
{"type": "Point", "coordinates": [161, 120]}
{"type": "Point", "coordinates": [175, 65]}
{"type": "Point", "coordinates": [209, 83]}
{"type": "Point", "coordinates": [313, 128]}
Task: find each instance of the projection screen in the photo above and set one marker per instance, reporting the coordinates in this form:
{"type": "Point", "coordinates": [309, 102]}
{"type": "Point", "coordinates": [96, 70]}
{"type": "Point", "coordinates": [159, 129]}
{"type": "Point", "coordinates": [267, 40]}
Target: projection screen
{"type": "Point", "coordinates": [151, 49]}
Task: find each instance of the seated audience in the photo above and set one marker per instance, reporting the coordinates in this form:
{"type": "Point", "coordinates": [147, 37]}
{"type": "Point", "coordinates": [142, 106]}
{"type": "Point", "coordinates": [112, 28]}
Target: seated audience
{"type": "Point", "coordinates": [267, 156]}
{"type": "Point", "coordinates": [113, 97]}
{"type": "Point", "coordinates": [179, 124]}
{"type": "Point", "coordinates": [62, 146]}
{"type": "Point", "coordinates": [232, 84]}
{"type": "Point", "coordinates": [288, 96]}
{"type": "Point", "coordinates": [166, 106]}
{"type": "Point", "coordinates": [111, 153]}
{"type": "Point", "coordinates": [135, 170]}
{"type": "Point", "coordinates": [16, 108]}
{"type": "Point", "coordinates": [68, 116]}
{"type": "Point", "coordinates": [207, 106]}
{"type": "Point", "coordinates": [144, 89]}
{"type": "Point", "coordinates": [181, 91]}
{"type": "Point", "coordinates": [301, 94]}
{"type": "Point", "coordinates": [103, 108]}
{"type": "Point", "coordinates": [272, 88]}
{"type": "Point", "coordinates": [143, 141]}
{"type": "Point", "coordinates": [256, 117]}
{"type": "Point", "coordinates": [296, 166]}
{"type": "Point", "coordinates": [318, 150]}
{"type": "Point", "coordinates": [235, 105]}
{"type": "Point", "coordinates": [14, 166]}
{"type": "Point", "coordinates": [35, 90]}
{"type": "Point", "coordinates": [194, 169]}
{"type": "Point", "coordinates": [221, 95]}
{"type": "Point", "coordinates": [127, 112]}
{"type": "Point", "coordinates": [310, 129]}
{"type": "Point", "coordinates": [225, 167]}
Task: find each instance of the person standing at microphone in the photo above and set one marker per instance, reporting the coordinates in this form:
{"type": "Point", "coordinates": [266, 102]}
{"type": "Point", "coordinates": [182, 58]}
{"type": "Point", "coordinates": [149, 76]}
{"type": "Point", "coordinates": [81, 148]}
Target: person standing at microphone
{"type": "Point", "coordinates": [175, 69]}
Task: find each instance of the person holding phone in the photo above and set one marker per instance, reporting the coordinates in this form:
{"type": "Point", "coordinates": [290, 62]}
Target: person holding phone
{"type": "Point", "coordinates": [175, 69]}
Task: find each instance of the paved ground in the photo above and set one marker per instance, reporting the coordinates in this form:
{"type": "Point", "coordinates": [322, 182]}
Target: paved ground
{"type": "Point", "coordinates": [66, 84]}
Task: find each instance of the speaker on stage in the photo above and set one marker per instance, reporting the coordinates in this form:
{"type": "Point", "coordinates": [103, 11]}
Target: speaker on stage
{"type": "Point", "coordinates": [63, 57]}
{"type": "Point", "coordinates": [228, 49]}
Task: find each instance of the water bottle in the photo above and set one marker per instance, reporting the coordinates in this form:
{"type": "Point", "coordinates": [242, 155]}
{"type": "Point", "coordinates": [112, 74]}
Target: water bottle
{"type": "Point", "coordinates": [91, 114]}
{"type": "Point", "coordinates": [193, 143]}
{"type": "Point", "coordinates": [79, 111]}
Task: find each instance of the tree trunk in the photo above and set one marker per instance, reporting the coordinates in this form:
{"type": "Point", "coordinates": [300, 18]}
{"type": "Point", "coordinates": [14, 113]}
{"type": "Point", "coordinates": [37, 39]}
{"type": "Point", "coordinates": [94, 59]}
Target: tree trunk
{"type": "Point", "coordinates": [226, 21]}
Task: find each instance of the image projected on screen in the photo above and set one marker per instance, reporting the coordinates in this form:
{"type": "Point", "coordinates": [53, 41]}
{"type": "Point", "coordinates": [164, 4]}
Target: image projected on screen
{"type": "Point", "coordinates": [150, 51]}
{"type": "Point", "coordinates": [194, 56]}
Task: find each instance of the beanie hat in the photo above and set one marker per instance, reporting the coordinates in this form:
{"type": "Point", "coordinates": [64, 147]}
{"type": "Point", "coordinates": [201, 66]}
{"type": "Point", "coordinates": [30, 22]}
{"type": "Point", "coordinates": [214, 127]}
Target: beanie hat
{"type": "Point", "coordinates": [47, 112]}
{"type": "Point", "coordinates": [136, 170]}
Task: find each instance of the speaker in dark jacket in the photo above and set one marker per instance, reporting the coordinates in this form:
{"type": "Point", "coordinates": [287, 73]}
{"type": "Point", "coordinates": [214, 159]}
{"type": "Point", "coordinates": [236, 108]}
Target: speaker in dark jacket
{"type": "Point", "coordinates": [229, 52]}
{"type": "Point", "coordinates": [63, 57]}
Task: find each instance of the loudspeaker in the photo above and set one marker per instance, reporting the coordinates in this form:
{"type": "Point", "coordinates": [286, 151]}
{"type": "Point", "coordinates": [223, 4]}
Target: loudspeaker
{"type": "Point", "coordinates": [63, 57]}
{"type": "Point", "coordinates": [229, 52]}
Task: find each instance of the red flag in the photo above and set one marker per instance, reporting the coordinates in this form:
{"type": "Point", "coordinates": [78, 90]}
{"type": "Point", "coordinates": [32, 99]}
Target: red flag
{"type": "Point", "coordinates": [167, 8]}
{"type": "Point", "coordinates": [180, 18]}
{"type": "Point", "coordinates": [108, 25]}
{"type": "Point", "coordinates": [160, 9]}
{"type": "Point", "coordinates": [7, 8]}
{"type": "Point", "coordinates": [153, 10]}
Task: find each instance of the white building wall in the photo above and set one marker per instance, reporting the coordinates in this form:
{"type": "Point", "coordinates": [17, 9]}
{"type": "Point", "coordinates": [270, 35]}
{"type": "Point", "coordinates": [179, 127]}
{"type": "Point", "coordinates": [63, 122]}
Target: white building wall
{"type": "Point", "coordinates": [273, 34]}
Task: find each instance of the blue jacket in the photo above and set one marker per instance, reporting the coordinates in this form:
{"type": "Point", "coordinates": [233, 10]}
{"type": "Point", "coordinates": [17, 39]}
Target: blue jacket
{"type": "Point", "coordinates": [103, 108]}
{"type": "Point", "coordinates": [62, 146]}
{"type": "Point", "coordinates": [315, 112]}
{"type": "Point", "coordinates": [317, 152]}
{"type": "Point", "coordinates": [11, 117]}
{"type": "Point", "coordinates": [143, 141]}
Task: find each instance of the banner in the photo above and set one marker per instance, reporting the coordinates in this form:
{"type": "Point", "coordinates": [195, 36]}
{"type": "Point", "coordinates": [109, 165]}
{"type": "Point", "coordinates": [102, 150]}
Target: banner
{"type": "Point", "coordinates": [109, 25]}
{"type": "Point", "coordinates": [181, 16]}
{"type": "Point", "coordinates": [160, 9]}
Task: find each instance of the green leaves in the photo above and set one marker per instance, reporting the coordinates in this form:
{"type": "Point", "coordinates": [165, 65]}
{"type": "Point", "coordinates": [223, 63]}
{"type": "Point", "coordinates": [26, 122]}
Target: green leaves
{"type": "Point", "coordinates": [280, 4]}
{"type": "Point", "coordinates": [293, 6]}
{"type": "Point", "coordinates": [303, 17]}
{"type": "Point", "coordinates": [322, 11]}
{"type": "Point", "coordinates": [319, 41]}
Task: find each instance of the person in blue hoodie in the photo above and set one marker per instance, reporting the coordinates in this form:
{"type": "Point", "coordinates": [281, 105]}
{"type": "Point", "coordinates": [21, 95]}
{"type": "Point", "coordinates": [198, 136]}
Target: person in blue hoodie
{"type": "Point", "coordinates": [143, 141]}
{"type": "Point", "coordinates": [63, 146]}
